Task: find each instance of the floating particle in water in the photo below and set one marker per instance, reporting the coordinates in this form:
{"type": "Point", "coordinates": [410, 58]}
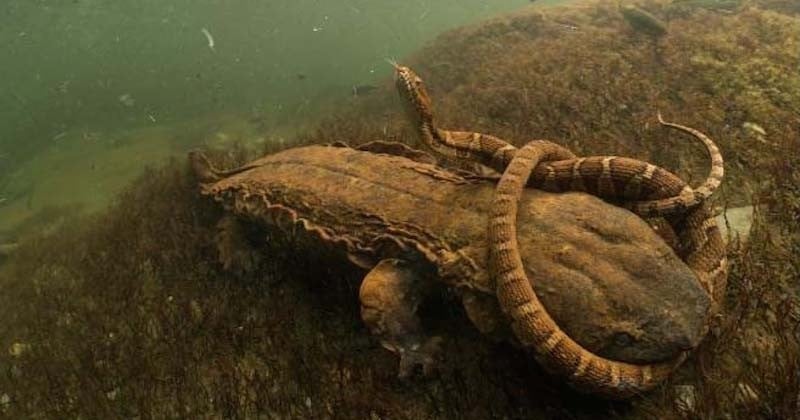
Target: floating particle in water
{"type": "Point", "coordinates": [209, 38]}
{"type": "Point", "coordinates": [321, 26]}
{"type": "Point", "coordinates": [127, 100]}
{"type": "Point", "coordinates": [63, 87]}
{"type": "Point", "coordinates": [87, 135]}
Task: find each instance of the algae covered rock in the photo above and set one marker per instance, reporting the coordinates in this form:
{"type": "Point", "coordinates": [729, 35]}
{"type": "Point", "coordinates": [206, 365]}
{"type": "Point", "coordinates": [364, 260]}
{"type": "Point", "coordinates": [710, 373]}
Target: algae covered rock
{"type": "Point", "coordinates": [289, 343]}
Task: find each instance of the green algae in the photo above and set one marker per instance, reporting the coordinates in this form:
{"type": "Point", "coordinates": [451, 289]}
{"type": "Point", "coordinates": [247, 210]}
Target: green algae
{"type": "Point", "coordinates": [128, 313]}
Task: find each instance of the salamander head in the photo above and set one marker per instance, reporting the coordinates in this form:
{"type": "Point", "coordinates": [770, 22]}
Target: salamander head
{"type": "Point", "coordinates": [202, 169]}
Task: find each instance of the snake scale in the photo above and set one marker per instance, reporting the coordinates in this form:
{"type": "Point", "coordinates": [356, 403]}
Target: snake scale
{"type": "Point", "coordinates": [643, 188]}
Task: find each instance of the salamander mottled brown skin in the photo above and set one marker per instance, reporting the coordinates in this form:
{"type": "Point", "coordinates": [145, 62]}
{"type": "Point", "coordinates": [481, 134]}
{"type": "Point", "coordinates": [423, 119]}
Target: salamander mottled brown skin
{"type": "Point", "coordinates": [609, 177]}
{"type": "Point", "coordinates": [535, 328]}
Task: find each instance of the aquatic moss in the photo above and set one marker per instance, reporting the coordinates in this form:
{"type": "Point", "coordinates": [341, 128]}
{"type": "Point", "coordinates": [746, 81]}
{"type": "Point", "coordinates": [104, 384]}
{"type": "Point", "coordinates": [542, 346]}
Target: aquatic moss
{"type": "Point", "coordinates": [128, 313]}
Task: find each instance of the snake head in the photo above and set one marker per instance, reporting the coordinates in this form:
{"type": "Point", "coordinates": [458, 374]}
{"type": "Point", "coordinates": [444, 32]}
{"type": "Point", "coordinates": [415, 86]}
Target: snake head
{"type": "Point", "coordinates": [414, 94]}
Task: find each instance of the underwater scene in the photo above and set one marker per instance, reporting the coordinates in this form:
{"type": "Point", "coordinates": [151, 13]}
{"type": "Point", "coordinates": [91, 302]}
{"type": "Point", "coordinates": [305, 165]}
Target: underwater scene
{"type": "Point", "coordinates": [432, 209]}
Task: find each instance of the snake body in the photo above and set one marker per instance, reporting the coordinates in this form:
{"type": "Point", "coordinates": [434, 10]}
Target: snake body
{"type": "Point", "coordinates": [646, 185]}
{"type": "Point", "coordinates": [642, 187]}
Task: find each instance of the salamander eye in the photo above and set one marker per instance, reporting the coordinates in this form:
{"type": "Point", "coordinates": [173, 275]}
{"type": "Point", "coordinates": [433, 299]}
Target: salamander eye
{"type": "Point", "coordinates": [623, 339]}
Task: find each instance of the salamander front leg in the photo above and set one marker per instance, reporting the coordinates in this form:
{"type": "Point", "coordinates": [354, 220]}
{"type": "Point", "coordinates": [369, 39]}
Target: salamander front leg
{"type": "Point", "coordinates": [390, 295]}
{"type": "Point", "coordinates": [234, 250]}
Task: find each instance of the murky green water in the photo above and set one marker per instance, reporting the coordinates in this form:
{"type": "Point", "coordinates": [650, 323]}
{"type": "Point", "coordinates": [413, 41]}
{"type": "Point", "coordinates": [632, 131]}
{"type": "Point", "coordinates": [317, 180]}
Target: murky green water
{"type": "Point", "coordinates": [159, 308]}
{"type": "Point", "coordinates": [81, 79]}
